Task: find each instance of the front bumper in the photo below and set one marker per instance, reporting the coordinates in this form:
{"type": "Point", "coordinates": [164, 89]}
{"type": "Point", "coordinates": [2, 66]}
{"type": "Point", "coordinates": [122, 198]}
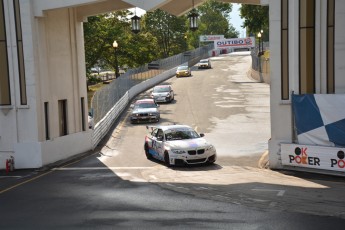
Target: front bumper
{"type": "Point", "coordinates": [183, 74]}
{"type": "Point", "coordinates": [186, 159]}
{"type": "Point", "coordinates": [203, 66]}
{"type": "Point", "coordinates": [144, 118]}
{"type": "Point", "coordinates": [161, 99]}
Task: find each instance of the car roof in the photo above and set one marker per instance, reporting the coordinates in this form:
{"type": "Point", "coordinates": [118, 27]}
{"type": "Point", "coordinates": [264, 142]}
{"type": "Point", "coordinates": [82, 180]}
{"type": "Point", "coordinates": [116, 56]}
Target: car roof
{"type": "Point", "coordinates": [148, 100]}
{"type": "Point", "coordinates": [168, 127]}
{"type": "Point", "coordinates": [161, 86]}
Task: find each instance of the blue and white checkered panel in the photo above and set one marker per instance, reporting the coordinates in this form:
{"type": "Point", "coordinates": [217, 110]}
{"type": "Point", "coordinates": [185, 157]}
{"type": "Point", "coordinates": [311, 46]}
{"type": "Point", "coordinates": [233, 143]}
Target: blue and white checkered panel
{"type": "Point", "coordinates": [320, 119]}
{"type": "Point", "coordinates": [317, 136]}
{"type": "Point", "coordinates": [306, 112]}
{"type": "Point", "coordinates": [336, 132]}
{"type": "Point", "coordinates": [331, 106]}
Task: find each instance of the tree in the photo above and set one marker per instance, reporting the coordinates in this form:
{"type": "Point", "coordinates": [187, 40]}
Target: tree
{"type": "Point", "coordinates": [256, 18]}
{"type": "Point", "coordinates": [215, 16]}
{"type": "Point", "coordinates": [101, 31]}
{"type": "Point", "coordinates": [168, 30]}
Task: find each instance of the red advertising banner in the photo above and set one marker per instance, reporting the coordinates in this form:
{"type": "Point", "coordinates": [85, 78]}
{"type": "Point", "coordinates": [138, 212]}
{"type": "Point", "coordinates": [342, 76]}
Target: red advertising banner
{"type": "Point", "coordinates": [235, 43]}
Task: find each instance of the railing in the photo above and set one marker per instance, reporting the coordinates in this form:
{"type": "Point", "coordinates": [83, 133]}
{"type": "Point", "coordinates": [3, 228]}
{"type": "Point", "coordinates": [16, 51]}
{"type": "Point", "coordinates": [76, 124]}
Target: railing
{"type": "Point", "coordinates": [261, 67]}
{"type": "Point", "coordinates": [109, 102]}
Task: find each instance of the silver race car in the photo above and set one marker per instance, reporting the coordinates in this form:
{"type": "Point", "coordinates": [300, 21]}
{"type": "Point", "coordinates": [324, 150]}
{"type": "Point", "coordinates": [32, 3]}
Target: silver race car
{"type": "Point", "coordinates": [162, 93]}
{"type": "Point", "coordinates": [178, 145]}
{"type": "Point", "coordinates": [145, 110]}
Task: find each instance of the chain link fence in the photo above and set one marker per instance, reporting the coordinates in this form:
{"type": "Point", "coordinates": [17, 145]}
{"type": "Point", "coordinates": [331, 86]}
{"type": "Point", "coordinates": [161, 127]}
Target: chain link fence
{"type": "Point", "coordinates": [261, 64]}
{"type": "Point", "coordinates": [104, 99]}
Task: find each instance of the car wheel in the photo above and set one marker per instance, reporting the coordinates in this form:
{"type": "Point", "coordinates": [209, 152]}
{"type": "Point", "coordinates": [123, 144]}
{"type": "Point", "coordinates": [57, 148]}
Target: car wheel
{"type": "Point", "coordinates": [148, 155]}
{"type": "Point", "coordinates": [167, 159]}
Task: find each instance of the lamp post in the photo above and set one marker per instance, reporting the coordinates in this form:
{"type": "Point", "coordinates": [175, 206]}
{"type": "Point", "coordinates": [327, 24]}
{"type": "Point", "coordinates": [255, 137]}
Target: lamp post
{"type": "Point", "coordinates": [262, 42]}
{"type": "Point", "coordinates": [135, 21]}
{"type": "Point", "coordinates": [115, 45]}
{"type": "Point", "coordinates": [193, 18]}
{"type": "Point", "coordinates": [259, 36]}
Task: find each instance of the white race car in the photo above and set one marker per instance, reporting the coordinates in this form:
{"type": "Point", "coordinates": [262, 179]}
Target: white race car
{"type": "Point", "coordinates": [178, 145]}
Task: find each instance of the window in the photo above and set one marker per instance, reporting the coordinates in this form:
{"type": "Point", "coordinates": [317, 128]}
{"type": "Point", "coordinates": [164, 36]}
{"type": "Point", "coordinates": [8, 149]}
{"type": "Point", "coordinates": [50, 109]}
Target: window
{"type": "Point", "coordinates": [63, 117]}
{"type": "Point", "coordinates": [285, 49]}
{"type": "Point", "coordinates": [22, 85]}
{"type": "Point", "coordinates": [46, 119]}
{"type": "Point", "coordinates": [307, 46]}
{"type": "Point", "coordinates": [5, 93]}
{"type": "Point", "coordinates": [82, 102]}
{"type": "Point", "coordinates": [330, 46]}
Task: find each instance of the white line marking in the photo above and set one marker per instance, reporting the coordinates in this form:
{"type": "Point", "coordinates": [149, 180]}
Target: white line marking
{"type": "Point", "coordinates": [279, 192]}
{"type": "Point", "coordinates": [153, 177]}
{"type": "Point", "coordinates": [135, 179]}
{"type": "Point", "coordinates": [100, 168]}
{"type": "Point", "coordinates": [123, 174]}
{"type": "Point", "coordinates": [10, 176]}
{"type": "Point", "coordinates": [220, 196]}
{"type": "Point", "coordinates": [201, 188]}
{"type": "Point", "coordinates": [272, 204]}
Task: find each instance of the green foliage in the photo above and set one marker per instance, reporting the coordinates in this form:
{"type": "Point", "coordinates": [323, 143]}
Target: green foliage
{"type": "Point", "coordinates": [162, 35]}
{"type": "Point", "coordinates": [214, 19]}
{"type": "Point", "coordinates": [215, 6]}
{"type": "Point", "coordinates": [168, 30]}
{"type": "Point", "coordinates": [99, 35]}
{"type": "Point", "coordinates": [256, 18]}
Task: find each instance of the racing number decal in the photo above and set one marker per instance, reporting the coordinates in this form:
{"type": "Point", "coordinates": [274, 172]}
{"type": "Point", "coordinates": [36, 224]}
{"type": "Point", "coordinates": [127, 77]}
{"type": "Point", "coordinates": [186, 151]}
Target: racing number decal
{"type": "Point", "coordinates": [156, 146]}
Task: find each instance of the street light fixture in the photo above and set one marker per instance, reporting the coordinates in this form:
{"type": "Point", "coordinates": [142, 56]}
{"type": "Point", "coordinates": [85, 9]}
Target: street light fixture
{"type": "Point", "coordinates": [115, 46]}
{"type": "Point", "coordinates": [193, 19]}
{"type": "Point", "coordinates": [259, 36]}
{"type": "Point", "coordinates": [135, 23]}
{"type": "Point", "coordinates": [262, 42]}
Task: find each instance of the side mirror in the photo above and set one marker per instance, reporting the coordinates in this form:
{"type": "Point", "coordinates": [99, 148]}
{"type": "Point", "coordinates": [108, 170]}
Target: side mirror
{"type": "Point", "coordinates": [131, 106]}
{"type": "Point", "coordinates": [202, 134]}
{"type": "Point", "coordinates": [157, 105]}
{"type": "Point", "coordinates": [91, 112]}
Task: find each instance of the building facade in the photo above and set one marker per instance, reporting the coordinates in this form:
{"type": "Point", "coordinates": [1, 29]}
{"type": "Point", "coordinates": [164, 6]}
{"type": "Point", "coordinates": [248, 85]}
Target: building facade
{"type": "Point", "coordinates": [307, 49]}
{"type": "Point", "coordinates": [43, 97]}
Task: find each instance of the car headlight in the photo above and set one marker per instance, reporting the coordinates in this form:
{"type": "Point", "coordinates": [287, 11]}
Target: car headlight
{"type": "Point", "coordinates": [168, 95]}
{"type": "Point", "coordinates": [152, 114]}
{"type": "Point", "coordinates": [178, 151]}
{"type": "Point", "coordinates": [211, 147]}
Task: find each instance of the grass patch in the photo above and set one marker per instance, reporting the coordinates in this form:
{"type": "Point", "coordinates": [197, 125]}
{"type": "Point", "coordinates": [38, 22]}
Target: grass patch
{"type": "Point", "coordinates": [92, 90]}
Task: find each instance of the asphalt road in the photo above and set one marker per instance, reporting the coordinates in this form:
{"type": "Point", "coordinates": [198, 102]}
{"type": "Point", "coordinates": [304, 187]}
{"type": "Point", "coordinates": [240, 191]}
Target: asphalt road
{"type": "Point", "coordinates": [116, 187]}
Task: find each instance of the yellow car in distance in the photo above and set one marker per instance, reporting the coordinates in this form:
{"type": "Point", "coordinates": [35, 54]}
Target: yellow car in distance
{"type": "Point", "coordinates": [183, 71]}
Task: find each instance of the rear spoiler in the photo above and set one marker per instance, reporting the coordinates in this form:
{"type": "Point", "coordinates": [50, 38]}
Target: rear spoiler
{"type": "Point", "coordinates": [150, 128]}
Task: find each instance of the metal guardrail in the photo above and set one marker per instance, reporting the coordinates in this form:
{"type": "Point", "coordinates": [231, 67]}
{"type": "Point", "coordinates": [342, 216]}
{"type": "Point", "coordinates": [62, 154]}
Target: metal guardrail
{"type": "Point", "coordinates": [104, 99]}
{"type": "Point", "coordinates": [260, 63]}
{"type": "Point", "coordinates": [109, 102]}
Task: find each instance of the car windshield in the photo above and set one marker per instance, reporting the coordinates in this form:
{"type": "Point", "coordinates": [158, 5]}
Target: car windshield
{"type": "Point", "coordinates": [144, 105]}
{"type": "Point", "coordinates": [160, 89]}
{"type": "Point", "coordinates": [203, 61]}
{"type": "Point", "coordinates": [172, 135]}
{"type": "Point", "coordinates": [182, 68]}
